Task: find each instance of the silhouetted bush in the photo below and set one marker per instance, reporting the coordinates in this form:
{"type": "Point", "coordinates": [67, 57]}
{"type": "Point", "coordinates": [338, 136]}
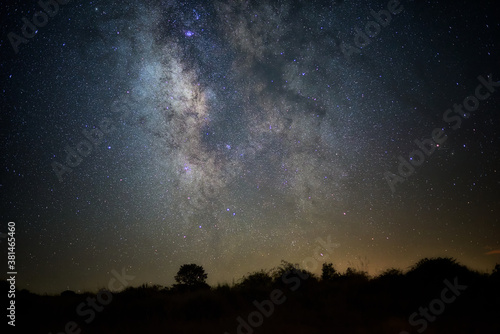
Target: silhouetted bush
{"type": "Point", "coordinates": [256, 281]}
{"type": "Point", "coordinates": [328, 272]}
{"type": "Point", "coordinates": [68, 293]}
{"type": "Point", "coordinates": [436, 269]}
{"type": "Point", "coordinates": [495, 275]}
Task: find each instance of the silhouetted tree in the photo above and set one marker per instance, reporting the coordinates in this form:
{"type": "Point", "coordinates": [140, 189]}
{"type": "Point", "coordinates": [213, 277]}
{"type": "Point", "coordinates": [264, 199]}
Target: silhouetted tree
{"type": "Point", "coordinates": [389, 280]}
{"type": "Point", "coordinates": [496, 272]}
{"type": "Point", "coordinates": [435, 264]}
{"type": "Point", "coordinates": [292, 276]}
{"type": "Point", "coordinates": [391, 272]}
{"type": "Point", "coordinates": [353, 274]}
{"type": "Point", "coordinates": [328, 272]}
{"type": "Point", "coordinates": [191, 276]}
{"type": "Point", "coordinates": [390, 275]}
{"type": "Point", "coordinates": [436, 269]}
{"type": "Point", "coordinates": [257, 280]}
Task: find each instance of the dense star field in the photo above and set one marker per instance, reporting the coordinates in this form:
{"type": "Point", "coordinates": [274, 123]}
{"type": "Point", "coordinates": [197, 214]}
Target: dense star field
{"type": "Point", "coordinates": [143, 135]}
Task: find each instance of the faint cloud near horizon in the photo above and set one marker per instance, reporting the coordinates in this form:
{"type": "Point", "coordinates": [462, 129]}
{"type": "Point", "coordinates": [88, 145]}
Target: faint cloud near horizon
{"type": "Point", "coordinates": [496, 251]}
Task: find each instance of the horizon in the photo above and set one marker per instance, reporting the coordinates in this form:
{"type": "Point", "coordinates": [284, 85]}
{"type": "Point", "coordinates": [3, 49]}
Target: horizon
{"type": "Point", "coordinates": [232, 282]}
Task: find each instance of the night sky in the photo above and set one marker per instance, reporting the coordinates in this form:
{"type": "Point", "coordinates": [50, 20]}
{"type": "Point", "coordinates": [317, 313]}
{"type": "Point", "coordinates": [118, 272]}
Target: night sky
{"type": "Point", "coordinates": [234, 134]}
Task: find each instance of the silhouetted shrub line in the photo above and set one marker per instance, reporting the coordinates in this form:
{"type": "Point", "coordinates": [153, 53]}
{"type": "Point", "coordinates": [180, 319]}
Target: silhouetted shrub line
{"type": "Point", "coordinates": [335, 302]}
{"type": "Point", "coordinates": [90, 307]}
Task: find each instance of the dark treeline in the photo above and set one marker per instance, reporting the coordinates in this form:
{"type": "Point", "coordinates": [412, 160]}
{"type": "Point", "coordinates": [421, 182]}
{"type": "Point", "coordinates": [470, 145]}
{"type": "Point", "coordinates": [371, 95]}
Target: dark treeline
{"type": "Point", "coordinates": [434, 296]}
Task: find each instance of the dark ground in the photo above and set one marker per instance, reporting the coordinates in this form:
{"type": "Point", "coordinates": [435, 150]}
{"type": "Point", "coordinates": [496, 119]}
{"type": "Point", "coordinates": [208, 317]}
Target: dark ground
{"type": "Point", "coordinates": [346, 303]}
